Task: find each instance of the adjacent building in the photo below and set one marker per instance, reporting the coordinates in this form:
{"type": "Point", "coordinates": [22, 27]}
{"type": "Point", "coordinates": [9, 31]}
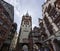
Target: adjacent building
{"type": "Point", "coordinates": [7, 25]}
{"type": "Point", "coordinates": [11, 36]}
{"type": "Point", "coordinates": [34, 38]}
{"type": "Point", "coordinates": [51, 22]}
{"type": "Point", "coordinates": [6, 20]}
{"type": "Point", "coordinates": [13, 43]}
{"type": "Point", "coordinates": [43, 36]}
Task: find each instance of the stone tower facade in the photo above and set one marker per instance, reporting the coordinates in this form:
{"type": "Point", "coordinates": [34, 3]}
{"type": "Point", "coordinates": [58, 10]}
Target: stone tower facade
{"type": "Point", "coordinates": [23, 42]}
{"type": "Point", "coordinates": [26, 27]}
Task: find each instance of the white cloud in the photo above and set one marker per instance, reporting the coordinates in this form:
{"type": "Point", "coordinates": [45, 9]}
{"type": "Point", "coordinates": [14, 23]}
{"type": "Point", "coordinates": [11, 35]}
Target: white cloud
{"type": "Point", "coordinates": [17, 13]}
{"type": "Point", "coordinates": [45, 0]}
{"type": "Point", "coordinates": [21, 7]}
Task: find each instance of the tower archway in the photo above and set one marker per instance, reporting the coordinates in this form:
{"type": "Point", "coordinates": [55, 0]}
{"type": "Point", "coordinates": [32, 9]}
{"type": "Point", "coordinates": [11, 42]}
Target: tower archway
{"type": "Point", "coordinates": [25, 48]}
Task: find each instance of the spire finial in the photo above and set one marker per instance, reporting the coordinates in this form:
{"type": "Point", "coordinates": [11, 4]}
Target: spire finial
{"type": "Point", "coordinates": [27, 14]}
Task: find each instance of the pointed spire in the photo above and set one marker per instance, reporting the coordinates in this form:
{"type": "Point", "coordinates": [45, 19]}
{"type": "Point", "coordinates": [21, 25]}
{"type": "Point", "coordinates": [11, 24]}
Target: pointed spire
{"type": "Point", "coordinates": [27, 14]}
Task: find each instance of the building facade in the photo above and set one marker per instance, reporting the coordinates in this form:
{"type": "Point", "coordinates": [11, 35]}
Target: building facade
{"type": "Point", "coordinates": [34, 38]}
{"type": "Point", "coordinates": [51, 20]}
{"type": "Point", "coordinates": [13, 42]}
{"type": "Point", "coordinates": [43, 36]}
{"type": "Point", "coordinates": [6, 19]}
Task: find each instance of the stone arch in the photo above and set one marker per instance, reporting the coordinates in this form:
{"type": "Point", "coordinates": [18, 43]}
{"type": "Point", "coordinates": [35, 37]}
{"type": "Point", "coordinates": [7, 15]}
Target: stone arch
{"type": "Point", "coordinates": [21, 46]}
{"type": "Point", "coordinates": [25, 48]}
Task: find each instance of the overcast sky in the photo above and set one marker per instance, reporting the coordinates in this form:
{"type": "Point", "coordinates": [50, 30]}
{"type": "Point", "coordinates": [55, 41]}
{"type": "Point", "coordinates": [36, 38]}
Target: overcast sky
{"type": "Point", "coordinates": [34, 8]}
